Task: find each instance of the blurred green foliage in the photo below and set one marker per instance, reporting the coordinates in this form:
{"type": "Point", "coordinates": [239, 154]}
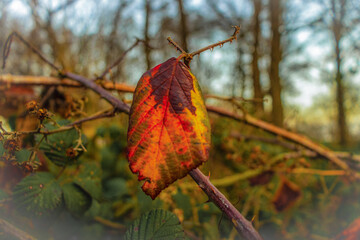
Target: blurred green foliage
{"type": "Point", "coordinates": [95, 196]}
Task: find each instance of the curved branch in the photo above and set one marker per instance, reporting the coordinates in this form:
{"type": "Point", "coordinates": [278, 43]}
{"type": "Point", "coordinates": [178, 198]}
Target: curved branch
{"type": "Point", "coordinates": [293, 137]}
{"type": "Point", "coordinates": [54, 81]}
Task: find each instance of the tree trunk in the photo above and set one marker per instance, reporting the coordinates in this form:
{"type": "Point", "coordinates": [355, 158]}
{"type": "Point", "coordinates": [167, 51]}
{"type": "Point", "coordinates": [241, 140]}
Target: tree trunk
{"type": "Point", "coordinates": [338, 12]}
{"type": "Point", "coordinates": [341, 121]}
{"type": "Point", "coordinates": [183, 25]}
{"type": "Point", "coordinates": [147, 50]}
{"type": "Point", "coordinates": [257, 91]}
{"type": "Point", "coordinates": [275, 85]}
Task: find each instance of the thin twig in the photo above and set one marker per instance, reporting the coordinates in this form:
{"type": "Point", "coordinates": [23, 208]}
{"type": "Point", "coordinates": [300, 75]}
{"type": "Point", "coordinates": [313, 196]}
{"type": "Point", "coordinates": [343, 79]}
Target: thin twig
{"type": "Point", "coordinates": [177, 46]}
{"type": "Point", "coordinates": [119, 60]}
{"type": "Point", "coordinates": [189, 56]}
{"type": "Point", "coordinates": [230, 99]}
{"type": "Point", "coordinates": [29, 45]}
{"type": "Point", "coordinates": [109, 223]}
{"type": "Point", "coordinates": [230, 39]}
{"type": "Point", "coordinates": [106, 114]}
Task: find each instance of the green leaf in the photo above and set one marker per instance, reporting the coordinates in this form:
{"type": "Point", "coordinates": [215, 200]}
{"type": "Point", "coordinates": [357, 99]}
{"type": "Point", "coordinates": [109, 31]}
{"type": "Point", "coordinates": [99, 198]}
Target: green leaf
{"type": "Point", "coordinates": [38, 193]}
{"type": "Point", "coordinates": [77, 201]}
{"type": "Point", "coordinates": [97, 209]}
{"type": "Point", "coordinates": [23, 155]}
{"type": "Point", "coordinates": [89, 179]}
{"type": "Point", "coordinates": [156, 224]}
{"type": "Point", "coordinates": [115, 188]}
{"type": "Point", "coordinates": [183, 202]}
{"type": "Point", "coordinates": [56, 145]}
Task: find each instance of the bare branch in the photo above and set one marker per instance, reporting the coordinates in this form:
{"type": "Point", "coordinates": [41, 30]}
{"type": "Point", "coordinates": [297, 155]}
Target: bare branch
{"type": "Point", "coordinates": [53, 81]}
{"type": "Point", "coordinates": [29, 45]}
{"type": "Point", "coordinates": [119, 60]}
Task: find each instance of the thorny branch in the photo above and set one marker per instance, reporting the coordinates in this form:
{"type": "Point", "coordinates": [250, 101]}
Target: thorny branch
{"type": "Point", "coordinates": [221, 43]}
{"type": "Point", "coordinates": [189, 56]}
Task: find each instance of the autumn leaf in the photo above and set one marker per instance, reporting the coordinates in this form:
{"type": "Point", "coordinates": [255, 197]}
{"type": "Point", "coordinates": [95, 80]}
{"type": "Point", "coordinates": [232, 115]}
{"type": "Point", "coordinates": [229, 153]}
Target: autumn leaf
{"type": "Point", "coordinates": [169, 129]}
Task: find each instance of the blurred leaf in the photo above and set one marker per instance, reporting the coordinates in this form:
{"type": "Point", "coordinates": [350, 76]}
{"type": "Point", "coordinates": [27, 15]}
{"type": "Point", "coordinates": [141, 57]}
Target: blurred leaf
{"type": "Point", "coordinates": [38, 193]}
{"type": "Point", "coordinates": [115, 132]}
{"type": "Point", "coordinates": [56, 145]}
{"type": "Point", "coordinates": [183, 202]}
{"type": "Point", "coordinates": [146, 203]}
{"type": "Point", "coordinates": [156, 224]}
{"type": "Point", "coordinates": [108, 158]}
{"type": "Point", "coordinates": [69, 227]}
{"type": "Point", "coordinates": [101, 131]}
{"type": "Point", "coordinates": [23, 155]}
{"type": "Point", "coordinates": [89, 179]}
{"type": "Point", "coordinates": [115, 188]}
{"type": "Point", "coordinates": [97, 209]}
{"type": "Point", "coordinates": [77, 201]}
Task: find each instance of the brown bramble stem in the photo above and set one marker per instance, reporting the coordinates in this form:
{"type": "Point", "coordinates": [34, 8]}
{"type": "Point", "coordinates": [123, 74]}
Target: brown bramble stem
{"type": "Point", "coordinates": [189, 56]}
{"type": "Point", "coordinates": [115, 102]}
{"type": "Point", "coordinates": [243, 226]}
{"type": "Point", "coordinates": [230, 39]}
{"type": "Point", "coordinates": [177, 46]}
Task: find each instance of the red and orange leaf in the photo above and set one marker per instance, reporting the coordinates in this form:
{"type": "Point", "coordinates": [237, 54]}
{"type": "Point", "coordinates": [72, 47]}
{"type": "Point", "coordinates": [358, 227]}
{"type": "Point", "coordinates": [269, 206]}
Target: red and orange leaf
{"type": "Point", "coordinates": [169, 130]}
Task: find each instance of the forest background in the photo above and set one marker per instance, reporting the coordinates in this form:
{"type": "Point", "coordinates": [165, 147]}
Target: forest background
{"type": "Point", "coordinates": [294, 64]}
